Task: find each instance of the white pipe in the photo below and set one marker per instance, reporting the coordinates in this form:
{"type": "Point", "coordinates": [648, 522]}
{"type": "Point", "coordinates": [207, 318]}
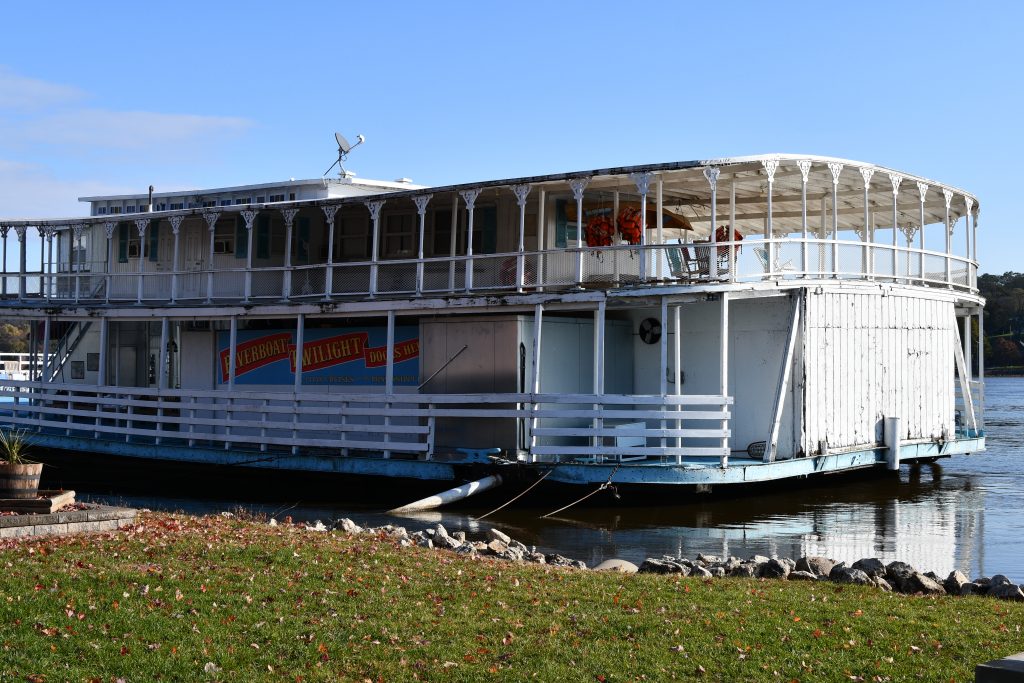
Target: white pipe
{"type": "Point", "coordinates": [891, 434]}
{"type": "Point", "coordinates": [450, 496]}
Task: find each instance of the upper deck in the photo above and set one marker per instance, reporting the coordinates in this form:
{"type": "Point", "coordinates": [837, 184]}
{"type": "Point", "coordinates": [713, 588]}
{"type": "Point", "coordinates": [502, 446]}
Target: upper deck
{"type": "Point", "coordinates": [792, 216]}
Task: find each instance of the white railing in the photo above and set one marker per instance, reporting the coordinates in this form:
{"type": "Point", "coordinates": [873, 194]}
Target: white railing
{"type": "Point", "coordinates": [621, 265]}
{"type": "Point", "coordinates": [556, 427]}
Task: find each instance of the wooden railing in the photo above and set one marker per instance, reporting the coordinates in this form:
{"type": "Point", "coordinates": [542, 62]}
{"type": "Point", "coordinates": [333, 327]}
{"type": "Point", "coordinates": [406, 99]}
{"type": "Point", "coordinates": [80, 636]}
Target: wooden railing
{"type": "Point", "coordinates": [557, 427]}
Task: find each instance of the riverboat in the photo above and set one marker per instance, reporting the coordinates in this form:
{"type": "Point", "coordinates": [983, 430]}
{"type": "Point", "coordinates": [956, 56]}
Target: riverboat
{"type": "Point", "coordinates": [687, 326]}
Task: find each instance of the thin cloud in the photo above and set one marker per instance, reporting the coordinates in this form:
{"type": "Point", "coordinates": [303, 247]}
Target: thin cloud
{"type": "Point", "coordinates": [30, 191]}
{"type": "Point", "coordinates": [128, 129]}
{"type": "Point", "coordinates": [19, 93]}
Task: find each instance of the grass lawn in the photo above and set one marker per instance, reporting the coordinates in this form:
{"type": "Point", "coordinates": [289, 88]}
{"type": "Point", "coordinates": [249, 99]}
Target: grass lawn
{"type": "Point", "coordinates": [209, 598]}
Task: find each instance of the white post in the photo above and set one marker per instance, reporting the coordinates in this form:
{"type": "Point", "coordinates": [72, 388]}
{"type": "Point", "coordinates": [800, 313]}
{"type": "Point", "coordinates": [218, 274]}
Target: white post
{"type": "Point", "coordinates": [249, 216]}
{"type": "Point", "coordinates": [73, 266]}
{"type": "Point", "coordinates": [232, 344]}
{"type": "Point", "coordinates": [453, 243]}
{"type": "Point", "coordinates": [101, 375]}
{"type": "Point", "coordinates": [805, 168]}
{"type": "Point", "coordinates": [161, 382]}
{"type": "Point", "coordinates": [211, 223]}
{"type": "Point", "coordinates": [538, 323]}
{"type": "Point", "coordinates": [712, 174]}
{"type": "Point", "coordinates": [541, 237]}
{"type": "Point", "coordinates": [893, 443]}
{"type": "Point", "coordinates": [289, 221]}
{"type": "Point", "coordinates": [421, 201]}
{"type": "Point", "coordinates": [4, 229]}
{"type": "Point", "coordinates": [615, 217]}
{"type": "Point", "coordinates": [578, 185]}
{"type": "Point", "coordinates": [521, 192]}
{"type": "Point", "coordinates": [46, 349]}
{"type": "Point", "coordinates": [42, 260]}
{"type": "Point", "coordinates": [300, 334]}
{"type": "Point", "coordinates": [969, 203]}
{"type": "Point", "coordinates": [770, 167]}
{"type": "Point", "coordinates": [732, 229]}
{"type": "Point", "coordinates": [895, 180]}
{"type": "Point", "coordinates": [19, 230]}
{"type": "Point", "coordinates": [643, 184]}
{"type": "Point", "coordinates": [922, 190]}
{"type": "Point", "coordinates": [329, 212]}
{"type": "Point", "coordinates": [677, 371]}
{"type": "Point", "coordinates": [947, 196]}
{"type": "Point", "coordinates": [108, 229]}
{"type": "Point", "coordinates": [659, 223]}
{"type": "Point", "coordinates": [389, 377]}
{"type": "Point", "coordinates": [49, 232]}
{"type": "Point", "coordinates": [469, 196]}
{"type": "Point", "coordinates": [836, 169]}
{"type": "Point", "coordinates": [869, 260]}
{"type": "Point", "coordinates": [141, 224]}
{"type": "Point", "coordinates": [663, 362]}
{"type": "Point", "coordinates": [723, 371]}
{"type": "Point", "coordinates": [374, 208]}
{"type": "Point", "coordinates": [175, 229]}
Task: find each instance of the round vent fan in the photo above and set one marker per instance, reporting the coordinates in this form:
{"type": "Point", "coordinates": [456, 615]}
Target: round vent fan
{"type": "Point", "coordinates": [650, 330]}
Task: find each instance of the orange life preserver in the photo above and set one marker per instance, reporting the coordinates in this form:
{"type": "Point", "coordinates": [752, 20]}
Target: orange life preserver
{"type": "Point", "coordinates": [630, 224]}
{"type": "Point", "coordinates": [599, 232]}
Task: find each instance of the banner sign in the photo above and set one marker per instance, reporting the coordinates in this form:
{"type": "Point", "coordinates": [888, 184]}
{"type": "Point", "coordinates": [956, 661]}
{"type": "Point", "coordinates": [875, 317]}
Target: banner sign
{"type": "Point", "coordinates": [349, 356]}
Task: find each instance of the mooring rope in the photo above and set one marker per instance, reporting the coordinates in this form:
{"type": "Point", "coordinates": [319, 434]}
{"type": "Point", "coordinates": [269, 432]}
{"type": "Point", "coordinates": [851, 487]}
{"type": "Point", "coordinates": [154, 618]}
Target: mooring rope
{"type": "Point", "coordinates": [600, 488]}
{"type": "Point", "coordinates": [514, 499]}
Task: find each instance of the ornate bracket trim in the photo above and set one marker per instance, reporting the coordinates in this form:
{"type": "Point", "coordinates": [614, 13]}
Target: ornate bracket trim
{"type": "Point", "coordinates": [374, 208]}
{"type": "Point", "coordinates": [289, 216]}
{"type": "Point", "coordinates": [578, 185]}
{"type": "Point", "coordinates": [211, 219]}
{"type": "Point", "coordinates": [521, 192]}
{"type": "Point", "coordinates": [836, 169]}
{"type": "Point", "coordinates": [947, 194]}
{"type": "Point", "coordinates": [866, 172]}
{"type": "Point", "coordinates": [4, 229]}
{"type": "Point", "coordinates": [969, 203]}
{"type": "Point", "coordinates": [141, 225]}
{"type": "Point", "coordinates": [805, 169]}
{"type": "Point", "coordinates": [176, 224]}
{"type": "Point", "coordinates": [41, 229]}
{"type": "Point", "coordinates": [896, 180]}
{"type": "Point", "coordinates": [909, 231]}
{"type": "Point", "coordinates": [109, 228]}
{"type": "Point", "coordinates": [922, 190]}
{"type": "Point", "coordinates": [77, 229]}
{"type": "Point", "coordinates": [642, 181]}
{"type": "Point", "coordinates": [329, 212]}
{"type": "Point", "coordinates": [421, 201]}
{"type": "Point", "coordinates": [770, 167]}
{"type": "Point", "coordinates": [249, 216]}
{"type": "Point", "coordinates": [20, 231]}
{"type": "Point", "coordinates": [712, 174]}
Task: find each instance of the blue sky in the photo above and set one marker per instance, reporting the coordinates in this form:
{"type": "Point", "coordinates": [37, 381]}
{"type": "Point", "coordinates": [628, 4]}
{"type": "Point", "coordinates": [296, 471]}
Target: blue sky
{"type": "Point", "coordinates": [113, 97]}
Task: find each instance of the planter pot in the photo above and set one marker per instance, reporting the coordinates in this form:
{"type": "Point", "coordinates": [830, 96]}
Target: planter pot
{"type": "Point", "coordinates": [20, 481]}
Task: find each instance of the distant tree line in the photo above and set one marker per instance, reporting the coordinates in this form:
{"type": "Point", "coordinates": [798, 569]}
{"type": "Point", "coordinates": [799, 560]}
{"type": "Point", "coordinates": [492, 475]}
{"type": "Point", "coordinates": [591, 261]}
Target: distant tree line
{"type": "Point", "coordinates": [13, 337]}
{"type": "Point", "coordinates": [1004, 320]}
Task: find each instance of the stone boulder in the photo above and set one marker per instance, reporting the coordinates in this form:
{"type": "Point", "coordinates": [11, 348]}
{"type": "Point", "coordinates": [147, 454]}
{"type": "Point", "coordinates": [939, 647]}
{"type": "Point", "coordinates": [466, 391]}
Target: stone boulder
{"type": "Point", "coordinates": [620, 566]}
{"type": "Point", "coordinates": [535, 557]}
{"type": "Point", "coordinates": [498, 535]}
{"type": "Point", "coordinates": [844, 574]}
{"type": "Point", "coordinates": [708, 559]}
{"type": "Point", "coordinates": [701, 573]}
{"type": "Point", "coordinates": [745, 570]}
{"type": "Point", "coordinates": [1006, 591]}
{"type": "Point", "coordinates": [954, 583]}
{"type": "Point", "coordinates": [801, 575]}
{"type": "Point", "coordinates": [347, 525]}
{"type": "Point", "coordinates": [561, 561]}
{"type": "Point", "coordinates": [773, 569]}
{"type": "Point", "coordinates": [871, 566]}
{"type": "Point", "coordinates": [655, 566]}
{"type": "Point", "coordinates": [821, 566]}
{"type": "Point", "coordinates": [716, 571]}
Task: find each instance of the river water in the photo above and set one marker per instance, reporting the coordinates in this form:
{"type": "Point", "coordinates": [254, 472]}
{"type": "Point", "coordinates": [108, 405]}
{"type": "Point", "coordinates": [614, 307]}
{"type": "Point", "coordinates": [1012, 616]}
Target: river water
{"type": "Point", "coordinates": [962, 513]}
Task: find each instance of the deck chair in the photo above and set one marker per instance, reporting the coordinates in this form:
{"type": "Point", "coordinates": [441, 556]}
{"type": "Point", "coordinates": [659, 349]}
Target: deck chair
{"type": "Point", "coordinates": [762, 256]}
{"type": "Point", "coordinates": [679, 263]}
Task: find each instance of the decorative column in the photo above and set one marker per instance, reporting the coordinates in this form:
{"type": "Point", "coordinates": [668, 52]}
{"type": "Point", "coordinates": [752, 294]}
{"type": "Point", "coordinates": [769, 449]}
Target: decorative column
{"type": "Point", "coordinates": [76, 230]}
{"type": "Point", "coordinates": [542, 244]}
{"type": "Point", "coordinates": [161, 382]}
{"type": "Point", "coordinates": [249, 216]}
{"type": "Point", "coordinates": [659, 227]}
{"type": "Point", "coordinates": [175, 229]}
{"type": "Point", "coordinates": [643, 185]}
{"type": "Point", "coordinates": [211, 224]}
{"type": "Point", "coordinates": [300, 334]}
{"type": "Point", "coordinates": [141, 224]}
{"type": "Point", "coordinates": [469, 196]}
{"type": "Point", "coordinates": [732, 236]}
{"type": "Point", "coordinates": [770, 167]}
{"type": "Point", "coordinates": [869, 259]}
{"type": "Point", "coordinates": [46, 271]}
{"type": "Point", "coordinates": [521, 192]}
{"type": "Point", "coordinates": [329, 211]}
{"type": "Point", "coordinates": [969, 203]}
{"type": "Point", "coordinates": [421, 201]}
{"type": "Point", "coordinates": [947, 196]}
{"type": "Point", "coordinates": [908, 232]}
{"type": "Point", "coordinates": [42, 257]}
{"type": "Point", "coordinates": [895, 180]}
{"type": "Point", "coordinates": [805, 169]}
{"type": "Point", "coordinates": [579, 185]}
{"type": "Point", "coordinates": [836, 169]}
{"type": "Point", "coordinates": [922, 190]}
{"type": "Point", "coordinates": [374, 207]}
{"type": "Point", "coordinates": [108, 229]}
{"type": "Point", "coordinates": [4, 229]}
{"type": "Point", "coordinates": [712, 174]}
{"type": "Point", "coordinates": [19, 230]}
{"type": "Point", "coordinates": [289, 221]}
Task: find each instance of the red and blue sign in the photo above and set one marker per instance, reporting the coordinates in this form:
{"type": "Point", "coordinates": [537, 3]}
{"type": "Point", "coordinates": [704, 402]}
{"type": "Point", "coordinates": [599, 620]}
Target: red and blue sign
{"type": "Point", "coordinates": [337, 356]}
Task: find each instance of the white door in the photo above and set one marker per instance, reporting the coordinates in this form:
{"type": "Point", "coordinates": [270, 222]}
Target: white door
{"type": "Point", "coordinates": [192, 284]}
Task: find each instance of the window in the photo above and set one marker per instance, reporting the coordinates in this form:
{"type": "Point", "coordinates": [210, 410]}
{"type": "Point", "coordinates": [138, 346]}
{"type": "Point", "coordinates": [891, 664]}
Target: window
{"type": "Point", "coordinates": [277, 197]}
{"type": "Point", "coordinates": [178, 206]}
{"type": "Point", "coordinates": [160, 207]}
{"type": "Point", "coordinates": [261, 199]}
{"type": "Point", "coordinates": [442, 233]}
{"type": "Point", "coordinates": [262, 236]}
{"type": "Point", "coordinates": [400, 235]}
{"type": "Point", "coordinates": [115, 209]}
{"type": "Point", "coordinates": [80, 251]}
{"type": "Point", "coordinates": [225, 202]}
{"type": "Point", "coordinates": [353, 237]}
{"type": "Point", "coordinates": [241, 200]}
{"type": "Point", "coordinates": [207, 203]}
{"type": "Point", "coordinates": [224, 238]}
{"type": "Point", "coordinates": [102, 211]}
{"type": "Point", "coordinates": [291, 196]}
{"type": "Point", "coordinates": [129, 209]}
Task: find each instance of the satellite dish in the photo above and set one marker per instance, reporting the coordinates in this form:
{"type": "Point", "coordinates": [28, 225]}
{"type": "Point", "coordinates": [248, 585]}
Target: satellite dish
{"type": "Point", "coordinates": [343, 149]}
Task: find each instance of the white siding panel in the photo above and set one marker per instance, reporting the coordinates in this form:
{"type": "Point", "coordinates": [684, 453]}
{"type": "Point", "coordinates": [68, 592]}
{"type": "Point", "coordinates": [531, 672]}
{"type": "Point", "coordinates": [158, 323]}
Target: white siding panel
{"type": "Point", "coordinates": [868, 356]}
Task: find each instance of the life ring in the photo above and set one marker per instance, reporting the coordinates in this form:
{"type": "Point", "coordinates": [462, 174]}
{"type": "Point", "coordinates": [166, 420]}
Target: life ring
{"type": "Point", "coordinates": [599, 232]}
{"type": "Point", "coordinates": [630, 224]}
{"type": "Point", "coordinates": [507, 275]}
{"type": "Point", "coordinates": [722, 235]}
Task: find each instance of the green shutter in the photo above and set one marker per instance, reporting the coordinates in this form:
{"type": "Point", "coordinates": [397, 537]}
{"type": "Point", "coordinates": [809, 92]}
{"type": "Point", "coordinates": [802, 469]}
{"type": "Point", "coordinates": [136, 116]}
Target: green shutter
{"type": "Point", "coordinates": [488, 217]}
{"type": "Point", "coordinates": [154, 239]}
{"type": "Point", "coordinates": [562, 226]}
{"type": "Point", "coordinates": [122, 243]}
{"type": "Point", "coordinates": [263, 236]}
{"type": "Point", "coordinates": [302, 248]}
{"type": "Point", "coordinates": [241, 238]}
